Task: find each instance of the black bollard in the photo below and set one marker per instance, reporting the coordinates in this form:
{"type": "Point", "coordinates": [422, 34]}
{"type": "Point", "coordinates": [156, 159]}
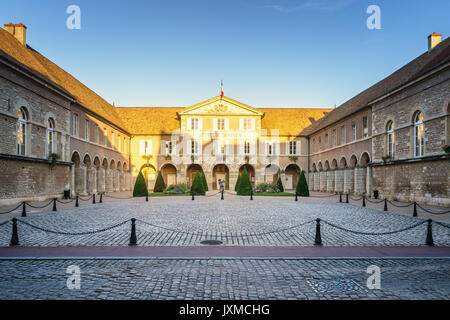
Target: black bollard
{"type": "Point", "coordinates": [340, 197]}
{"type": "Point", "coordinates": [192, 193]}
{"type": "Point", "coordinates": [133, 238]}
{"type": "Point", "coordinates": [346, 199]}
{"type": "Point", "coordinates": [221, 196]}
{"type": "Point", "coordinates": [385, 205]}
{"type": "Point", "coordinates": [429, 241]}
{"type": "Point", "coordinates": [76, 201]}
{"type": "Point", "coordinates": [93, 198]}
{"type": "Point", "coordinates": [146, 197]}
{"type": "Point", "coordinates": [54, 204]}
{"type": "Point", "coordinates": [101, 197]}
{"type": "Point", "coordinates": [251, 195]}
{"type": "Point", "coordinates": [318, 240]}
{"type": "Point", "coordinates": [24, 209]}
{"type": "Point", "coordinates": [296, 196]}
{"type": "Point", "coordinates": [15, 234]}
{"type": "Point", "coordinates": [415, 209]}
{"type": "Point", "coordinates": [364, 201]}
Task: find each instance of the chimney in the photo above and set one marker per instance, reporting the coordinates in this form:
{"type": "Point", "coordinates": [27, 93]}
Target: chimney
{"type": "Point", "coordinates": [433, 40]}
{"type": "Point", "coordinates": [19, 31]}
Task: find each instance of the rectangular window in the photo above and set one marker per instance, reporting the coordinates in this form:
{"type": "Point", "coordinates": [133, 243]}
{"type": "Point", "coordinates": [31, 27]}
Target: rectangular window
{"type": "Point", "coordinates": [247, 124]}
{"type": "Point", "coordinates": [292, 147]}
{"type": "Point", "coordinates": [125, 145]}
{"type": "Point", "coordinates": [246, 147]}
{"type": "Point", "coordinates": [113, 142]}
{"type": "Point", "coordinates": [353, 131]}
{"type": "Point", "coordinates": [194, 147]}
{"type": "Point", "coordinates": [194, 124]}
{"type": "Point", "coordinates": [343, 134]}
{"type": "Point", "coordinates": [314, 145]}
{"type": "Point", "coordinates": [97, 134]}
{"type": "Point", "coordinates": [326, 141]}
{"type": "Point", "coordinates": [119, 142]}
{"type": "Point", "coordinates": [365, 128]}
{"type": "Point", "coordinates": [146, 147]}
{"type": "Point", "coordinates": [105, 137]}
{"type": "Point", "coordinates": [220, 147]}
{"type": "Point", "coordinates": [320, 143]}
{"type": "Point", "coordinates": [334, 138]}
{"type": "Point", "coordinates": [75, 125]}
{"type": "Point", "coordinates": [168, 147]}
{"type": "Point", "coordinates": [220, 124]}
{"type": "Point", "coordinates": [86, 130]}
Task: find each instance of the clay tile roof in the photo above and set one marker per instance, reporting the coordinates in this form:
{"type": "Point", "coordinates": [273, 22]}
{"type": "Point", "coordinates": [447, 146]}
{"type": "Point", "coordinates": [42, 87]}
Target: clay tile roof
{"type": "Point", "coordinates": [34, 60]}
{"type": "Point", "coordinates": [150, 120]}
{"type": "Point", "coordinates": [290, 121]}
{"type": "Point", "coordinates": [419, 66]}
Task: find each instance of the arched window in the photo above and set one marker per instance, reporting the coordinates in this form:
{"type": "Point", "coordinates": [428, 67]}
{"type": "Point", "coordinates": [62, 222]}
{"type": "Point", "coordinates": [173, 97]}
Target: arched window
{"type": "Point", "coordinates": [50, 135]}
{"type": "Point", "coordinates": [22, 131]}
{"type": "Point", "coordinates": [390, 139]}
{"type": "Point", "coordinates": [418, 134]}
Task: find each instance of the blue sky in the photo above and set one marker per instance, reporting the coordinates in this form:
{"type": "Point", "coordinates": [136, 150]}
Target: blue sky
{"type": "Point", "coordinates": [269, 53]}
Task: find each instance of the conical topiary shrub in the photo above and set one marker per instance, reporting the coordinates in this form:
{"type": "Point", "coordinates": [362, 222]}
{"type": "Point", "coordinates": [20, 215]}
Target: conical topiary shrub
{"type": "Point", "coordinates": [197, 185]}
{"type": "Point", "coordinates": [280, 185]}
{"type": "Point", "coordinates": [160, 186]}
{"type": "Point", "coordinates": [205, 184]}
{"type": "Point", "coordinates": [245, 187]}
{"type": "Point", "coordinates": [302, 186]}
{"type": "Point", "coordinates": [140, 187]}
{"type": "Point", "coordinates": [236, 187]}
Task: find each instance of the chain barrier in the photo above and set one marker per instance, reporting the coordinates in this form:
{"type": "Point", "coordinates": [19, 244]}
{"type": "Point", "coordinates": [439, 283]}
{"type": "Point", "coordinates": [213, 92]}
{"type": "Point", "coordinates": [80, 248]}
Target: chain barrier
{"type": "Point", "coordinates": [374, 202]}
{"type": "Point", "coordinates": [358, 199]}
{"type": "Point", "coordinates": [212, 195]}
{"type": "Point", "coordinates": [4, 222]}
{"type": "Point", "coordinates": [80, 198]}
{"type": "Point", "coordinates": [11, 209]}
{"type": "Point", "coordinates": [431, 212]}
{"type": "Point", "coordinates": [73, 233]}
{"type": "Point", "coordinates": [400, 206]}
{"type": "Point", "coordinates": [230, 236]}
{"type": "Point", "coordinates": [326, 196]}
{"type": "Point", "coordinates": [39, 207]}
{"type": "Point", "coordinates": [445, 225]}
{"type": "Point", "coordinates": [65, 202]}
{"type": "Point", "coordinates": [374, 233]}
{"type": "Point", "coordinates": [119, 198]}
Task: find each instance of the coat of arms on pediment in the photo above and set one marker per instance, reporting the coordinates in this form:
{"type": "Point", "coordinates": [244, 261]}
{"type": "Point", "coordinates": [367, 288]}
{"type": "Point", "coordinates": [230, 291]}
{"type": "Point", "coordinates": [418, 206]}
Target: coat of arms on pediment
{"type": "Point", "coordinates": [221, 105]}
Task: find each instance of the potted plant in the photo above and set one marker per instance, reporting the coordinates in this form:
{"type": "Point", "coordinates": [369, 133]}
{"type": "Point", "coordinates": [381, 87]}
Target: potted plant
{"type": "Point", "coordinates": [54, 157]}
{"type": "Point", "coordinates": [293, 159]}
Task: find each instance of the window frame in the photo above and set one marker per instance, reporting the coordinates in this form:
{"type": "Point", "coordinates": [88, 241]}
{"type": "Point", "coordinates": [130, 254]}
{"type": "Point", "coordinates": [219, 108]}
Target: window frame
{"type": "Point", "coordinates": [22, 121]}
{"type": "Point", "coordinates": [50, 136]}
{"type": "Point", "coordinates": [419, 125]}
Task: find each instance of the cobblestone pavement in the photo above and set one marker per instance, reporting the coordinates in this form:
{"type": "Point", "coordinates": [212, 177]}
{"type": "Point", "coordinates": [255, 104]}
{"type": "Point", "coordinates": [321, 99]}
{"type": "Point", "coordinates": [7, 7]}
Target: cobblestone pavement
{"type": "Point", "coordinates": [179, 221]}
{"type": "Point", "coordinates": [226, 279]}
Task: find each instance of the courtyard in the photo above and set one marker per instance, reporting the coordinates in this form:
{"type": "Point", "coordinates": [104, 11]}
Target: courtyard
{"type": "Point", "coordinates": [238, 222]}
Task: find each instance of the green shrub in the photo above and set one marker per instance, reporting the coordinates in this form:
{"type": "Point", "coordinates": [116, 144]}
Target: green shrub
{"type": "Point", "coordinates": [245, 187]}
{"type": "Point", "coordinates": [205, 184]}
{"type": "Point", "coordinates": [267, 187]}
{"type": "Point", "coordinates": [236, 187]}
{"type": "Point", "coordinates": [302, 186]}
{"type": "Point", "coordinates": [280, 185]}
{"type": "Point", "coordinates": [197, 185]}
{"type": "Point", "coordinates": [177, 188]}
{"type": "Point", "coordinates": [160, 186]}
{"type": "Point", "coordinates": [140, 187]}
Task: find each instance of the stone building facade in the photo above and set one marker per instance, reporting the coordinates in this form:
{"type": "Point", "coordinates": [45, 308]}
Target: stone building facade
{"type": "Point", "coordinates": [388, 138]}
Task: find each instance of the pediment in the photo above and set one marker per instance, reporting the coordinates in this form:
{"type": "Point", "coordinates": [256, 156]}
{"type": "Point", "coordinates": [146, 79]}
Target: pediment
{"type": "Point", "coordinates": [221, 106]}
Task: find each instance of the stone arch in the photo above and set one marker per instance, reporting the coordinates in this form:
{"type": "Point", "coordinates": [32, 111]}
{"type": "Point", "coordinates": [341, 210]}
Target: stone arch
{"type": "Point", "coordinates": [314, 168]}
{"type": "Point", "coordinates": [105, 163]}
{"type": "Point", "coordinates": [97, 162]}
{"type": "Point", "coordinates": [320, 166]}
{"type": "Point", "coordinates": [91, 174]}
{"type": "Point", "coordinates": [291, 176]}
{"type": "Point", "coordinates": [78, 174]}
{"type": "Point", "coordinates": [353, 161]}
{"type": "Point", "coordinates": [327, 165]}
{"type": "Point", "coordinates": [365, 159]}
{"type": "Point", "coordinates": [221, 171]}
{"type": "Point", "coordinates": [343, 163]}
{"type": "Point", "coordinates": [271, 173]}
{"type": "Point", "coordinates": [112, 165]}
{"type": "Point", "coordinates": [87, 160]}
{"type": "Point", "coordinates": [191, 171]}
{"type": "Point", "coordinates": [169, 173]}
{"type": "Point", "coordinates": [250, 171]}
{"type": "Point", "coordinates": [334, 164]}
{"type": "Point", "coordinates": [76, 159]}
